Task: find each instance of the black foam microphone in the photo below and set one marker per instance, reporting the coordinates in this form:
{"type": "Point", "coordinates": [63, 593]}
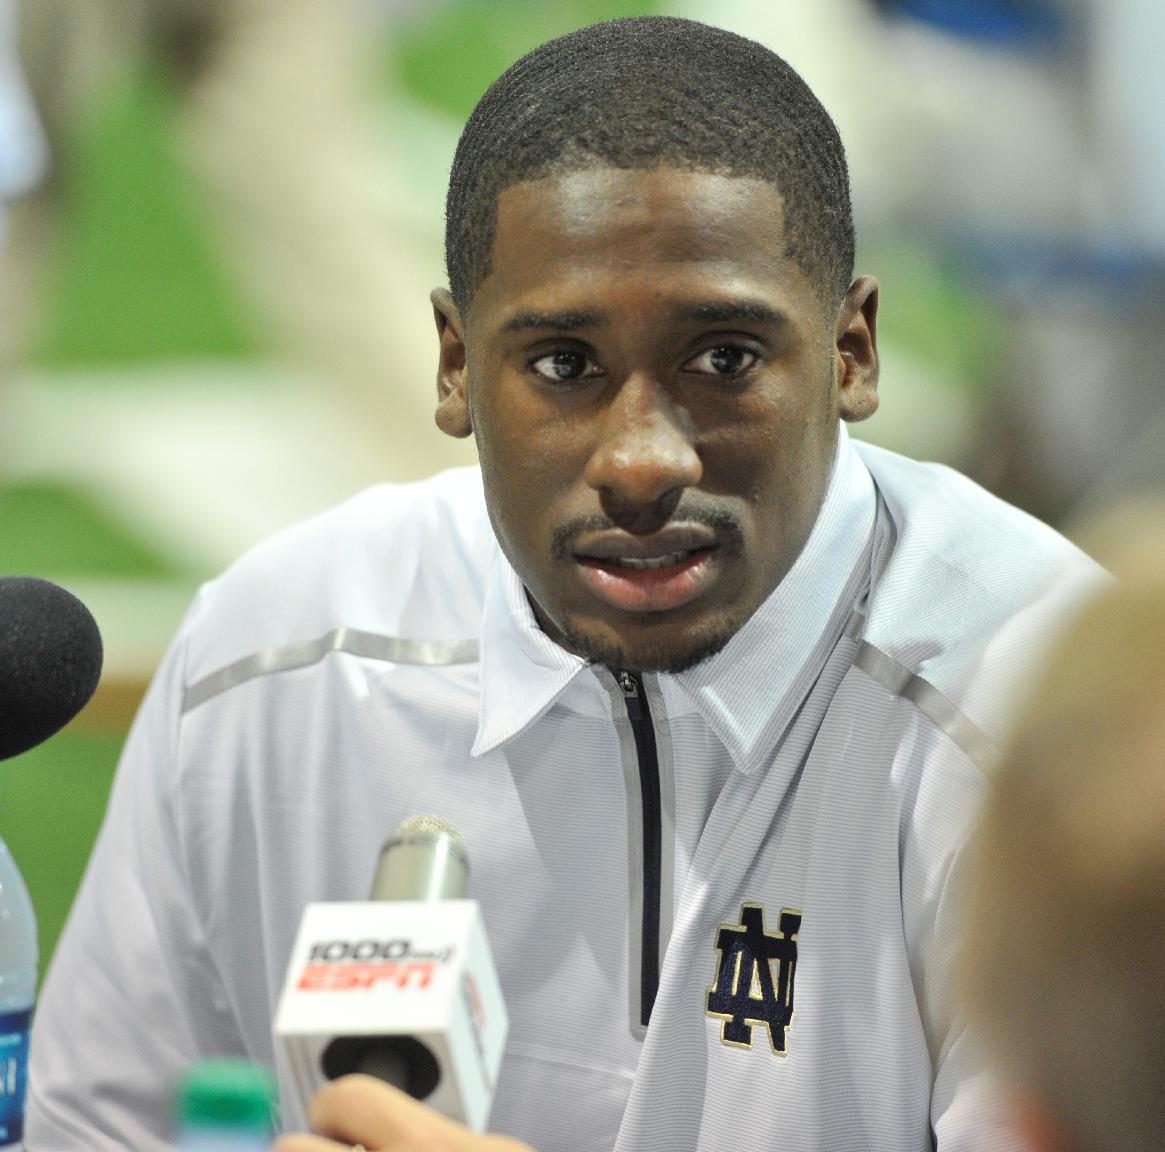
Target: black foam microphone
{"type": "Point", "coordinates": [50, 661]}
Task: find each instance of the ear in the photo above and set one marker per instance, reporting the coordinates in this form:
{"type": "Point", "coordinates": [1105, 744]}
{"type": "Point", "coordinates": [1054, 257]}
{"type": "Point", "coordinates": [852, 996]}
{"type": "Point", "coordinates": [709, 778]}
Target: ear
{"type": "Point", "coordinates": [452, 413]}
{"type": "Point", "coordinates": [856, 351]}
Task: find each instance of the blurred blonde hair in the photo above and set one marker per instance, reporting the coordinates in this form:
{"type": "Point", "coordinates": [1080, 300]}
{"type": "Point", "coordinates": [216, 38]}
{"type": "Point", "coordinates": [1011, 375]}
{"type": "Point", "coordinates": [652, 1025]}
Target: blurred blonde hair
{"type": "Point", "coordinates": [1064, 966]}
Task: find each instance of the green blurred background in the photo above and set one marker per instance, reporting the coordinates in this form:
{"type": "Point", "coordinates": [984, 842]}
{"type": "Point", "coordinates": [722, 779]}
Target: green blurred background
{"type": "Point", "coordinates": [133, 281]}
{"type": "Point", "coordinates": [214, 315]}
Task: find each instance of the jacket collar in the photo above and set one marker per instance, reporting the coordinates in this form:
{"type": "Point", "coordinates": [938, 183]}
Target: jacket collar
{"type": "Point", "coordinates": [522, 670]}
{"type": "Point", "coordinates": [748, 692]}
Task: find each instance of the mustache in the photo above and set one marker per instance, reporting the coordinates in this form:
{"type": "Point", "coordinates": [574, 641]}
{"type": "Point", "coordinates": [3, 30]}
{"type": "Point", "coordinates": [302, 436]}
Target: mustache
{"type": "Point", "coordinates": [724, 524]}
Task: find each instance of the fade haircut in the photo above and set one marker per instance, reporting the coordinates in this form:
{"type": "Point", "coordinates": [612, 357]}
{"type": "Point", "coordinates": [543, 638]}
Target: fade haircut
{"type": "Point", "coordinates": [639, 92]}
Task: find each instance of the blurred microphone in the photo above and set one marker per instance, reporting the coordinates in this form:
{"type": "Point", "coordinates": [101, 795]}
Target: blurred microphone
{"type": "Point", "coordinates": [50, 661]}
{"type": "Point", "coordinates": [403, 987]}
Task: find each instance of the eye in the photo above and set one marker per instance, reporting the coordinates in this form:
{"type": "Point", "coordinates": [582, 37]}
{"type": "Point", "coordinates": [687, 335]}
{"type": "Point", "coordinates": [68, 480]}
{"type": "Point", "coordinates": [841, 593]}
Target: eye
{"type": "Point", "coordinates": [725, 360]}
{"type": "Point", "coordinates": [564, 366]}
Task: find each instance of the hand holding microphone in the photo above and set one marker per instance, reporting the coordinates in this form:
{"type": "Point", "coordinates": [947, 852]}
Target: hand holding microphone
{"type": "Point", "coordinates": [402, 987]}
{"type": "Point", "coordinates": [362, 1112]}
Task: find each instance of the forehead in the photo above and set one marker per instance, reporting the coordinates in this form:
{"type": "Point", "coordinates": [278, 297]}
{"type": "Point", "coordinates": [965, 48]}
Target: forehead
{"type": "Point", "coordinates": [647, 233]}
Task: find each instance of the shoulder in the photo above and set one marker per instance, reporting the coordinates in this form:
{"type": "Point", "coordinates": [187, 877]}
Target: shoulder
{"type": "Point", "coordinates": [972, 590]}
{"type": "Point", "coordinates": [407, 560]}
{"type": "Point", "coordinates": [941, 514]}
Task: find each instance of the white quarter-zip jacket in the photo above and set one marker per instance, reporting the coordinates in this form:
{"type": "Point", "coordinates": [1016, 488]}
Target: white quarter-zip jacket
{"type": "Point", "coordinates": [723, 903]}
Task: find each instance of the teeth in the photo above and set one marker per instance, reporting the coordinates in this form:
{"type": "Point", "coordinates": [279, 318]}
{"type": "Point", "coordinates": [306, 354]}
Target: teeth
{"type": "Point", "coordinates": [654, 562]}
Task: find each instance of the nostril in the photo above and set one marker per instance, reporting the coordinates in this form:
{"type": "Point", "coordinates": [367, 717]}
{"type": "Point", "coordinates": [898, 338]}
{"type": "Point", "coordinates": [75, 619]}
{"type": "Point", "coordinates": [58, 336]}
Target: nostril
{"type": "Point", "coordinates": [639, 518]}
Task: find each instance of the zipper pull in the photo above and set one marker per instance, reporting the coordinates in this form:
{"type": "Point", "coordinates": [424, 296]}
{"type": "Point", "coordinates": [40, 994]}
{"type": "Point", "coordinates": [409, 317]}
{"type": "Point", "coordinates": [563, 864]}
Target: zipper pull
{"type": "Point", "coordinates": [628, 683]}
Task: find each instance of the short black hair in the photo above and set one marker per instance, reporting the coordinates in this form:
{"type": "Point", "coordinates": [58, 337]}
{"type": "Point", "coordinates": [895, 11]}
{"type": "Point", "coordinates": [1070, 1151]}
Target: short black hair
{"type": "Point", "coordinates": [643, 91]}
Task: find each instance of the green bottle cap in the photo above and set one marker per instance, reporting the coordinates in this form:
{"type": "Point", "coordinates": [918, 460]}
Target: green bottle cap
{"type": "Point", "coordinates": [226, 1094]}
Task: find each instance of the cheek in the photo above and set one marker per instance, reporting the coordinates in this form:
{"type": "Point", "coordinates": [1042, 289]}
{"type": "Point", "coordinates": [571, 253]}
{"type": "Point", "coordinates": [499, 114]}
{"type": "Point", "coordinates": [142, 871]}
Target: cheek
{"type": "Point", "coordinates": [523, 468]}
{"type": "Point", "coordinates": [496, 431]}
{"type": "Point", "coordinates": [525, 441]}
{"type": "Point", "coordinates": [762, 456]}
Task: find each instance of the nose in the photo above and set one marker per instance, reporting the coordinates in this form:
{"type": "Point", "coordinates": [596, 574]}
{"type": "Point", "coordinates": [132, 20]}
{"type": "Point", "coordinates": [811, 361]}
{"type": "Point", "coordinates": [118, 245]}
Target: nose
{"type": "Point", "coordinates": [645, 456]}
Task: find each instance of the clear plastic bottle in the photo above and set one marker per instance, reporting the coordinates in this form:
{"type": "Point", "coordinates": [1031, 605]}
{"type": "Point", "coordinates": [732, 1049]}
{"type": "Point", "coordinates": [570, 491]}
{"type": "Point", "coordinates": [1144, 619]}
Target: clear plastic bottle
{"type": "Point", "coordinates": [18, 952]}
{"type": "Point", "coordinates": [225, 1106]}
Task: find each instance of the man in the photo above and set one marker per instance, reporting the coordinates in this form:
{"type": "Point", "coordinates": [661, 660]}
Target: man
{"type": "Point", "coordinates": [706, 688]}
{"type": "Point", "coordinates": [1066, 953]}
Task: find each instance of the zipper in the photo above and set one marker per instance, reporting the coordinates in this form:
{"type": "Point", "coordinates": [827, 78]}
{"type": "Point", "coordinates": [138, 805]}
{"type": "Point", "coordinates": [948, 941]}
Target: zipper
{"type": "Point", "coordinates": [639, 713]}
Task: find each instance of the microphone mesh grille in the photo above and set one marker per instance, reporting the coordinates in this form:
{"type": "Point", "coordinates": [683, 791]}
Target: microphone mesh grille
{"type": "Point", "coordinates": [424, 823]}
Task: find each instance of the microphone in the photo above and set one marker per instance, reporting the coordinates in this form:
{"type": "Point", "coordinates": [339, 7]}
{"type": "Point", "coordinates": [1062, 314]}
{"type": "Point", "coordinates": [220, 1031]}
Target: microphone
{"type": "Point", "coordinates": [50, 661]}
{"type": "Point", "coordinates": [401, 987]}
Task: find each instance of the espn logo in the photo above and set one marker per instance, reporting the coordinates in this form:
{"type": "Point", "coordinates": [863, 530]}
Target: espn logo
{"type": "Point", "coordinates": [344, 965]}
{"type": "Point", "coordinates": [350, 976]}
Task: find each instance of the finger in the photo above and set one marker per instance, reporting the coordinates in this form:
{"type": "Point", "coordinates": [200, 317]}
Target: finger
{"type": "Point", "coordinates": [304, 1142]}
{"type": "Point", "coordinates": [363, 1110]}
{"type": "Point", "coordinates": [360, 1109]}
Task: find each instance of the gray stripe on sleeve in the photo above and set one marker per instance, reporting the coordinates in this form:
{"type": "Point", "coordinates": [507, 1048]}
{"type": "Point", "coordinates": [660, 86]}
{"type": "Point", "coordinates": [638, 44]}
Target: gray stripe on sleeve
{"type": "Point", "coordinates": [855, 625]}
{"type": "Point", "coordinates": [897, 678]}
{"type": "Point", "coordinates": [394, 649]}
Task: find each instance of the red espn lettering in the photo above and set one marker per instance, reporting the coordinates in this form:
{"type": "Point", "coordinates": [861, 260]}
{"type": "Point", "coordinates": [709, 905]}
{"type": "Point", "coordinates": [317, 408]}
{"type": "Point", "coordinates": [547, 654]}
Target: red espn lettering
{"type": "Point", "coordinates": [344, 977]}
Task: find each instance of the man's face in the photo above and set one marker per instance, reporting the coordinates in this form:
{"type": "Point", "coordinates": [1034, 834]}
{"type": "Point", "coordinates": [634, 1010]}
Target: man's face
{"type": "Point", "coordinates": [654, 388]}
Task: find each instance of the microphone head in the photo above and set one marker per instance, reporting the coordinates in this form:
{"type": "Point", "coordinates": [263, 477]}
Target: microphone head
{"type": "Point", "coordinates": [424, 859]}
{"type": "Point", "coordinates": [50, 661]}
{"type": "Point", "coordinates": [425, 825]}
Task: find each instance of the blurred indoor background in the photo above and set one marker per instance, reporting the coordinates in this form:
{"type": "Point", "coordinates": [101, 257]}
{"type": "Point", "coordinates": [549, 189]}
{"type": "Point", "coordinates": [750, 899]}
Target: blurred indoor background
{"type": "Point", "coordinates": [226, 215]}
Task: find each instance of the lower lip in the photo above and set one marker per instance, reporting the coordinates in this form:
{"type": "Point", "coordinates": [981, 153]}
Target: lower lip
{"type": "Point", "coordinates": [649, 589]}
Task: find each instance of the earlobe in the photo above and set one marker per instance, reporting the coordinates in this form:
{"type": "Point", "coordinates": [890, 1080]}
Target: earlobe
{"type": "Point", "coordinates": [452, 414]}
{"type": "Point", "coordinates": [856, 336]}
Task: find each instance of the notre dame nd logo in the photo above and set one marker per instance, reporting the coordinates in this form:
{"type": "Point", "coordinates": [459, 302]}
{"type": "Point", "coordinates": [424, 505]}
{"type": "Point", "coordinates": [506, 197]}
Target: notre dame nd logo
{"type": "Point", "coordinates": [747, 994]}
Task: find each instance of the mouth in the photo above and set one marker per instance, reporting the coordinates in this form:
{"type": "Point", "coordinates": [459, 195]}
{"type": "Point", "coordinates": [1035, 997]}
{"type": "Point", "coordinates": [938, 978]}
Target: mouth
{"type": "Point", "coordinates": [648, 574]}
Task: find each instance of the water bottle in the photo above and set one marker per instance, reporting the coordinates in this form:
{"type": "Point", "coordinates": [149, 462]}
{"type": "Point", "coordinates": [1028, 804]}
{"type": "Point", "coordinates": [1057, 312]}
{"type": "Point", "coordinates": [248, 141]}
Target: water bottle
{"type": "Point", "coordinates": [17, 993]}
{"type": "Point", "coordinates": [226, 1106]}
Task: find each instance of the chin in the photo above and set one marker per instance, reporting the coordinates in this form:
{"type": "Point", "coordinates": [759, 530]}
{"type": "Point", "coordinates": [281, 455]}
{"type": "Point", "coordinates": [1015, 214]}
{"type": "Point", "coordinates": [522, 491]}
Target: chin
{"type": "Point", "coordinates": [667, 654]}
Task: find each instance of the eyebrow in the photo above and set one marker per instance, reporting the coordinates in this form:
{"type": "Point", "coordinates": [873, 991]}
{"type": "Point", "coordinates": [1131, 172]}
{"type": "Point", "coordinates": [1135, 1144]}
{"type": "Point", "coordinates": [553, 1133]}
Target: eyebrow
{"type": "Point", "coordinates": [556, 321]}
{"type": "Point", "coordinates": [743, 310]}
{"type": "Point", "coordinates": [717, 312]}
